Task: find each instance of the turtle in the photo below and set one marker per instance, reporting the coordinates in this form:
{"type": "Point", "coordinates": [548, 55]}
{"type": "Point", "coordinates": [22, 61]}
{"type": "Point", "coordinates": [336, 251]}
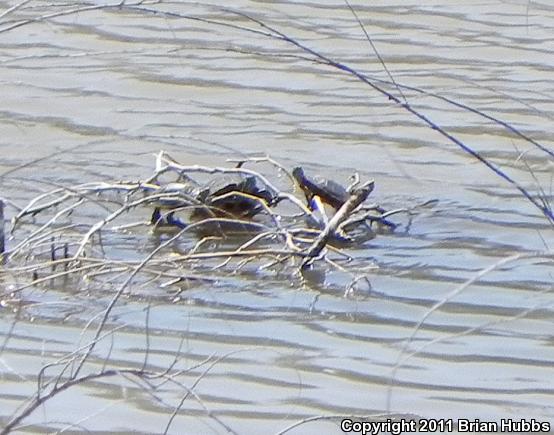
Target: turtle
{"type": "Point", "coordinates": [328, 191]}
{"type": "Point", "coordinates": [235, 200]}
{"type": "Point", "coordinates": [243, 199]}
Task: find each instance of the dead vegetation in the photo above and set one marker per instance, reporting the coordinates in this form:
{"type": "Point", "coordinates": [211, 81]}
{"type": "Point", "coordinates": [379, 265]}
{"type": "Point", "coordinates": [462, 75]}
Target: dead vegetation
{"type": "Point", "coordinates": [237, 218]}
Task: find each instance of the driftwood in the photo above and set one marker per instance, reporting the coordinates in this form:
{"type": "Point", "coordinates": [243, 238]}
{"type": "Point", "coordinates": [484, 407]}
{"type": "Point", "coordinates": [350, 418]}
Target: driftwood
{"type": "Point", "coordinates": [57, 243]}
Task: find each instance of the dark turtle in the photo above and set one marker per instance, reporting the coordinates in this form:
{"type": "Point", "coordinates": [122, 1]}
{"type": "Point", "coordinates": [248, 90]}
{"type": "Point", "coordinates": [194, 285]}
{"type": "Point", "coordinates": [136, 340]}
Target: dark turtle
{"type": "Point", "coordinates": [243, 199]}
{"type": "Point", "coordinates": [328, 191]}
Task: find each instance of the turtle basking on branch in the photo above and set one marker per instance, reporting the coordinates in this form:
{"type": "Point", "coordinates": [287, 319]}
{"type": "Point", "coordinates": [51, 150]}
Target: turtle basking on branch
{"type": "Point", "coordinates": [234, 200]}
{"type": "Point", "coordinates": [319, 191]}
{"type": "Point", "coordinates": [244, 199]}
{"type": "Point", "coordinates": [328, 191]}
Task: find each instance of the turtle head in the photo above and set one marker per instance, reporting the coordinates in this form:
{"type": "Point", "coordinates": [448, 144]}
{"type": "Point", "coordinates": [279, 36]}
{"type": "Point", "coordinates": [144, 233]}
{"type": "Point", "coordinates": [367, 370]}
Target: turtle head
{"type": "Point", "coordinates": [298, 174]}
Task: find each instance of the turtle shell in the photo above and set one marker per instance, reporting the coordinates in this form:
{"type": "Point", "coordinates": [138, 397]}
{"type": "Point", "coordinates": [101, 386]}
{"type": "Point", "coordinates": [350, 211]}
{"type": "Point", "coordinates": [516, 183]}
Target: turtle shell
{"type": "Point", "coordinates": [241, 199]}
{"type": "Point", "coordinates": [330, 192]}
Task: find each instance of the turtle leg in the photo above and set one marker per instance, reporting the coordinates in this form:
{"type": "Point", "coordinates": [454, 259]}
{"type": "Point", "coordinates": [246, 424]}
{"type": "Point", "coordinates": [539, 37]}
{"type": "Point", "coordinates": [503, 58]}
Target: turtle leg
{"type": "Point", "coordinates": [172, 220]}
{"type": "Point", "coordinates": [159, 219]}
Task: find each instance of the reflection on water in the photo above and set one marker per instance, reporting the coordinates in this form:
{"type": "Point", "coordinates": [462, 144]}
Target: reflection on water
{"type": "Point", "coordinates": [92, 95]}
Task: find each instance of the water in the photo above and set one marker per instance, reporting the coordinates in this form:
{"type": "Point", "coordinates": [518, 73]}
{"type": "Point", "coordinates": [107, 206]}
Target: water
{"type": "Point", "coordinates": [94, 95]}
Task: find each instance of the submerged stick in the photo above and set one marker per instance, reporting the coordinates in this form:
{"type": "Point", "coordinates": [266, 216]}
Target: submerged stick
{"type": "Point", "coordinates": [358, 196]}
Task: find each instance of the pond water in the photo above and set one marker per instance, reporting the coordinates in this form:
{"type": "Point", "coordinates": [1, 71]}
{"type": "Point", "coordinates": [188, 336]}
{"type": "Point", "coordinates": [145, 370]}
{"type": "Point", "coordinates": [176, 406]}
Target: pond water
{"type": "Point", "coordinates": [93, 94]}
